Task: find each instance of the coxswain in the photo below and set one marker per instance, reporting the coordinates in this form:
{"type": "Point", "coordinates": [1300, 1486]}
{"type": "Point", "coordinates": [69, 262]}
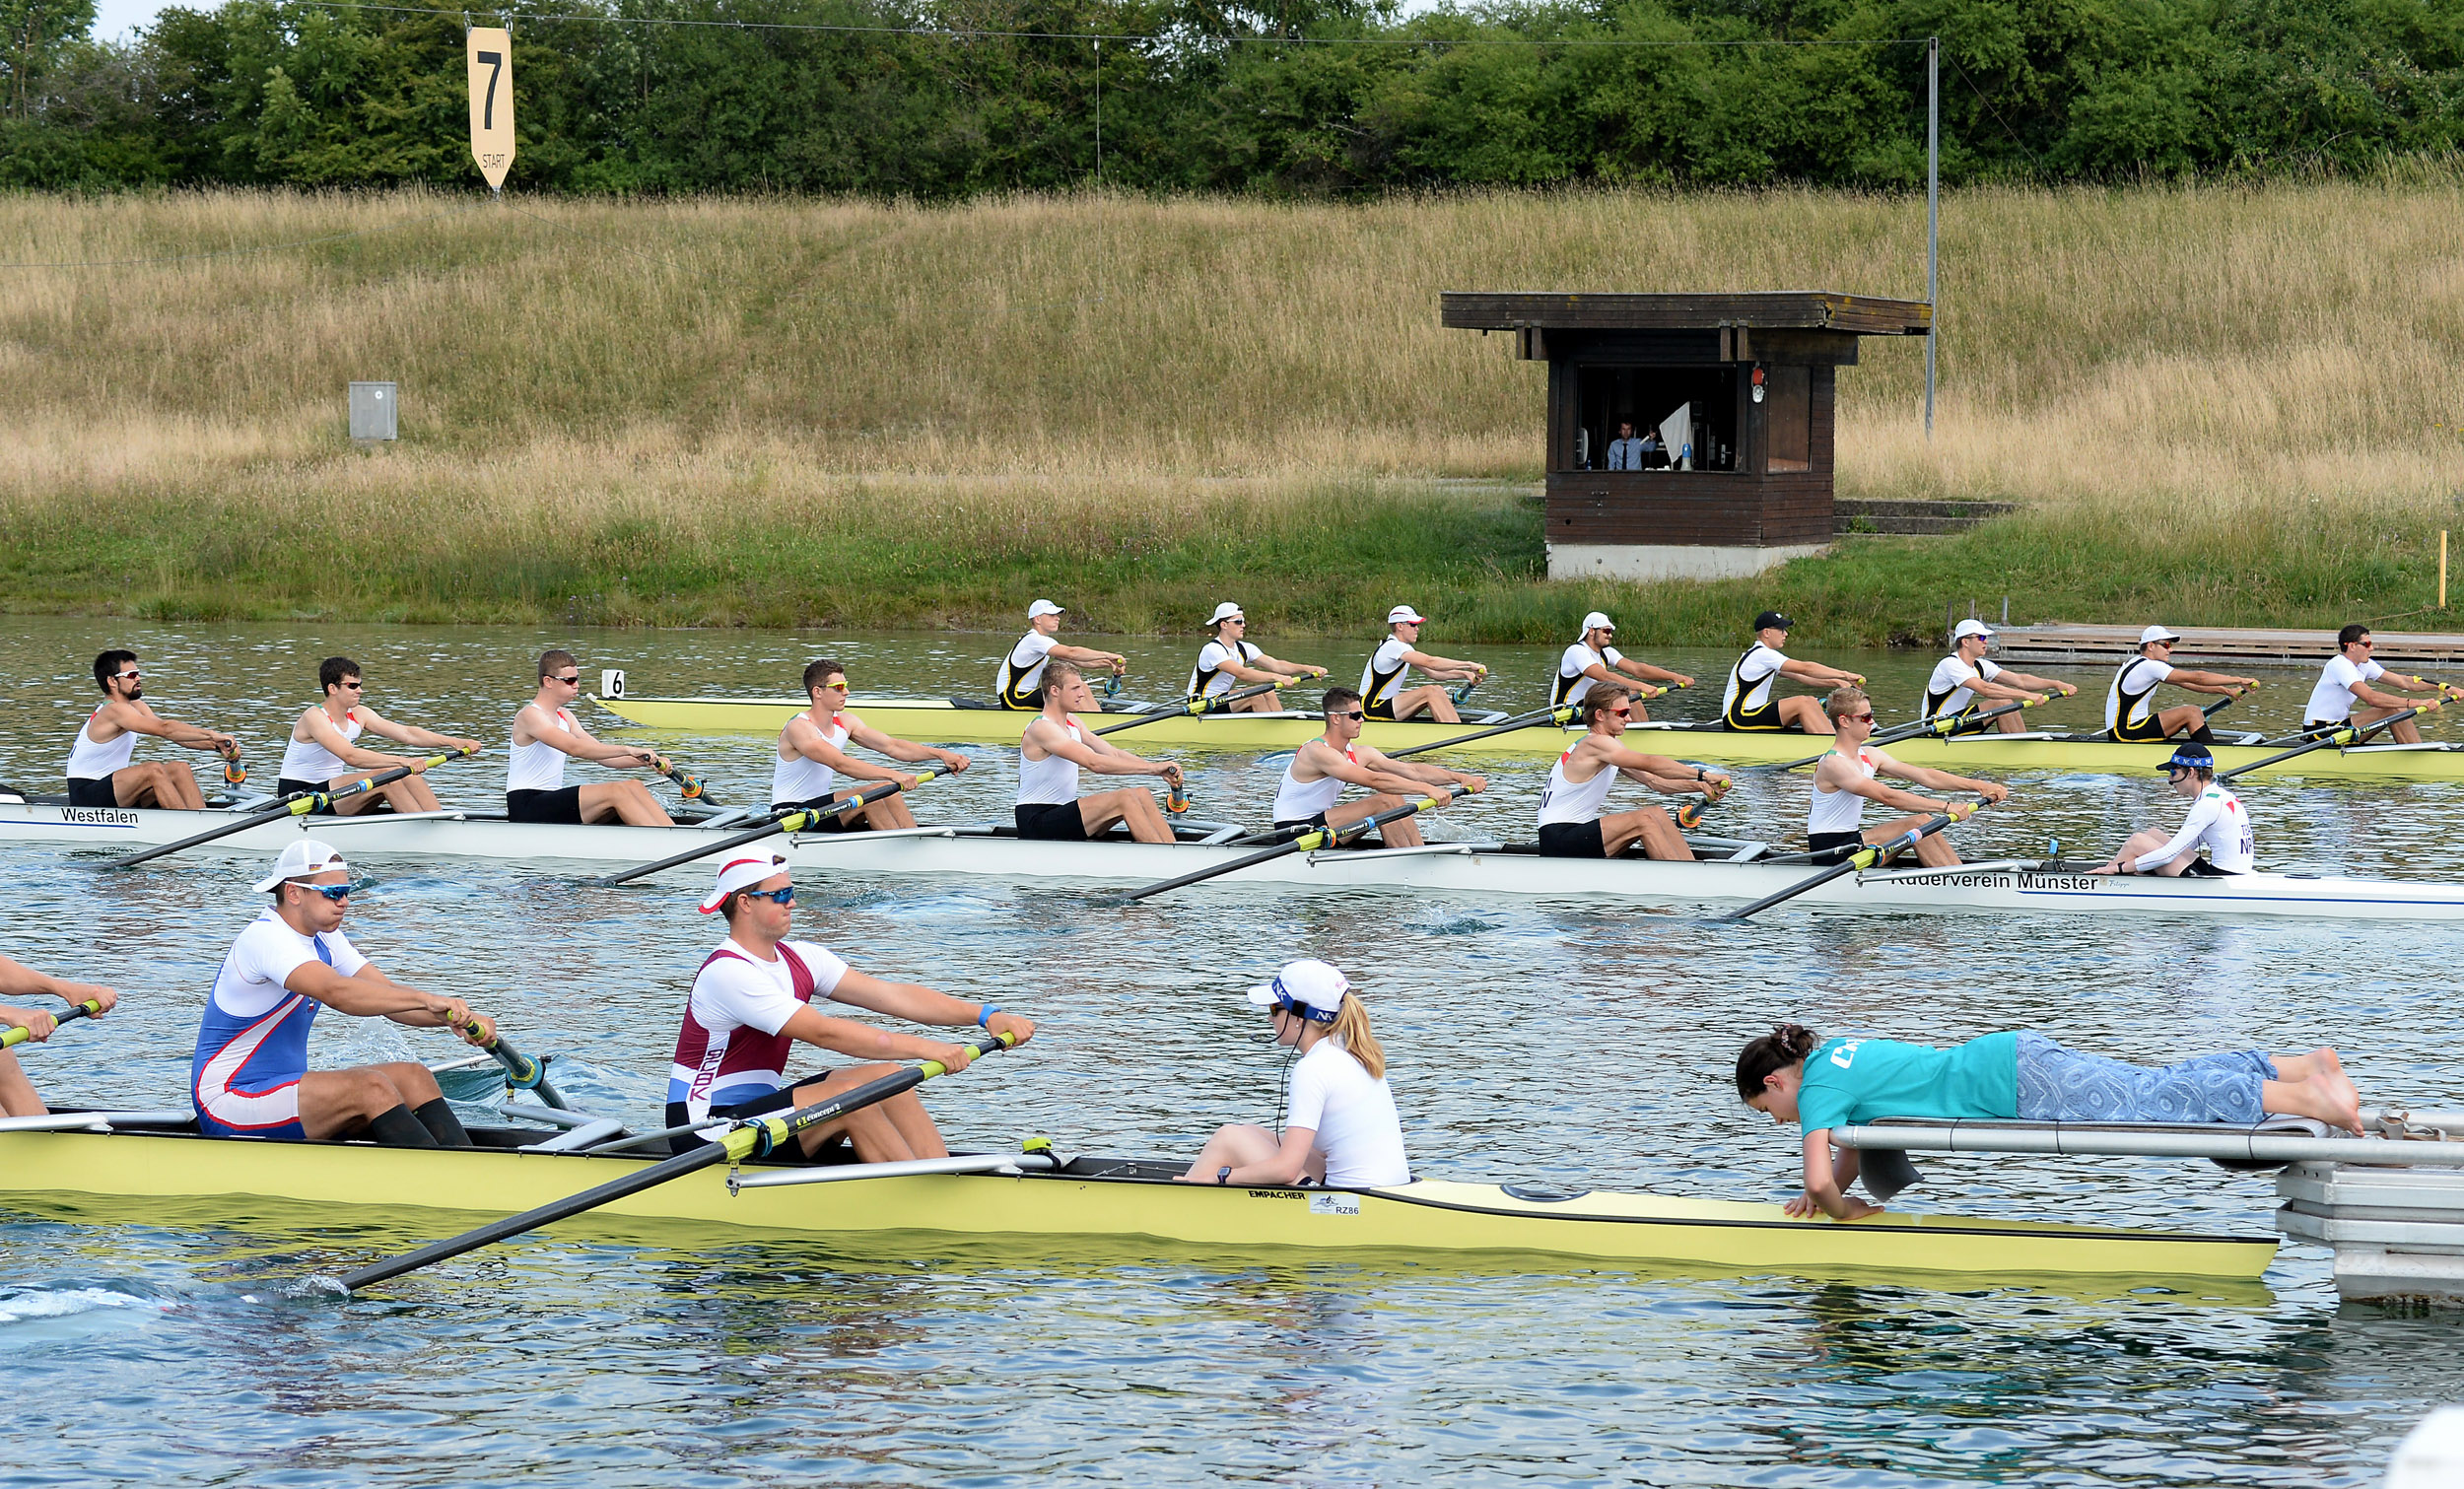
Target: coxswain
{"type": "Point", "coordinates": [1800, 1079]}
{"type": "Point", "coordinates": [2216, 821]}
{"type": "Point", "coordinates": [1845, 782]}
{"type": "Point", "coordinates": [1050, 756]}
{"type": "Point", "coordinates": [2130, 712]}
{"type": "Point", "coordinates": [1339, 1126]}
{"type": "Point", "coordinates": [1571, 820]}
{"type": "Point", "coordinates": [2346, 681]}
{"type": "Point", "coordinates": [325, 754]}
{"type": "Point", "coordinates": [545, 733]}
{"type": "Point", "coordinates": [17, 1096]}
{"type": "Point", "coordinates": [251, 1076]}
{"type": "Point", "coordinates": [1381, 689]}
{"type": "Point", "coordinates": [1748, 702]}
{"type": "Point", "coordinates": [1592, 658]}
{"type": "Point", "coordinates": [1967, 675]}
{"type": "Point", "coordinates": [1020, 682]}
{"type": "Point", "coordinates": [812, 756]}
{"type": "Point", "coordinates": [753, 1002]}
{"type": "Point", "coordinates": [1314, 780]}
{"type": "Point", "coordinates": [1229, 662]}
{"type": "Point", "coordinates": [99, 770]}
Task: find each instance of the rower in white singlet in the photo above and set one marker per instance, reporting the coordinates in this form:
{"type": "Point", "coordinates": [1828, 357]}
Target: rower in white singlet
{"type": "Point", "coordinates": [102, 770]}
{"type": "Point", "coordinates": [1748, 702]}
{"type": "Point", "coordinates": [1382, 691]}
{"type": "Point", "coordinates": [1019, 683]}
{"type": "Point", "coordinates": [1967, 675]}
{"type": "Point", "coordinates": [1052, 752]}
{"type": "Point", "coordinates": [1230, 662]}
{"type": "Point", "coordinates": [2216, 821]}
{"type": "Point", "coordinates": [2130, 712]}
{"type": "Point", "coordinates": [812, 756]}
{"type": "Point", "coordinates": [1571, 820]}
{"type": "Point", "coordinates": [545, 734]}
{"type": "Point", "coordinates": [1594, 658]}
{"type": "Point", "coordinates": [2350, 677]}
{"type": "Point", "coordinates": [1314, 780]}
{"type": "Point", "coordinates": [1846, 780]}
{"type": "Point", "coordinates": [323, 749]}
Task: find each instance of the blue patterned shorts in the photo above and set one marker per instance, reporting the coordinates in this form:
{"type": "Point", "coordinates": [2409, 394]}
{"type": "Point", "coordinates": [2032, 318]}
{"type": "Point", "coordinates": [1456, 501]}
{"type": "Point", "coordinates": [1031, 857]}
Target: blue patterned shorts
{"type": "Point", "coordinates": [2063, 1085]}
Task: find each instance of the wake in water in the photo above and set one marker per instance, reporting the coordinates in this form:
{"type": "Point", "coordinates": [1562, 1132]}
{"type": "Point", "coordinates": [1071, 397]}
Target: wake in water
{"type": "Point", "coordinates": [28, 1303]}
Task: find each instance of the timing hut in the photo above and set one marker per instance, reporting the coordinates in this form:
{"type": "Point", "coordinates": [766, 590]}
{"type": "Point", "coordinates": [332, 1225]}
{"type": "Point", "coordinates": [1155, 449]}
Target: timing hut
{"type": "Point", "coordinates": [1730, 398]}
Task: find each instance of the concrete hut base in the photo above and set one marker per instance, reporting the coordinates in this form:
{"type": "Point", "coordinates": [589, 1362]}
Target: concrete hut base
{"type": "Point", "coordinates": [1669, 560]}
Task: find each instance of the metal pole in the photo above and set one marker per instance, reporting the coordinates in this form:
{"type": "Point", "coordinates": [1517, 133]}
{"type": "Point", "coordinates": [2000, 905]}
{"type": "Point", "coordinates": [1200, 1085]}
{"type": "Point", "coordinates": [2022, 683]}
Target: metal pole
{"type": "Point", "coordinates": [1099, 112]}
{"type": "Point", "coordinates": [1933, 215]}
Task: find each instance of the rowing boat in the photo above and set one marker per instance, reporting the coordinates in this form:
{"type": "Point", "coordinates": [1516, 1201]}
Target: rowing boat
{"type": "Point", "coordinates": [940, 721]}
{"type": "Point", "coordinates": [1057, 1210]}
{"type": "Point", "coordinates": [1483, 869]}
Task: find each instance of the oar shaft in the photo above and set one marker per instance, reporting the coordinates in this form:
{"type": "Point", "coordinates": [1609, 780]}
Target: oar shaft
{"type": "Point", "coordinates": [1557, 715]}
{"type": "Point", "coordinates": [1857, 862]}
{"type": "Point", "coordinates": [84, 1010]}
{"type": "Point", "coordinates": [1945, 726]}
{"type": "Point", "coordinates": [1308, 841]}
{"type": "Point", "coordinates": [297, 804]}
{"type": "Point", "coordinates": [1191, 709]}
{"type": "Point", "coordinates": [2344, 735]}
{"type": "Point", "coordinates": [794, 819]}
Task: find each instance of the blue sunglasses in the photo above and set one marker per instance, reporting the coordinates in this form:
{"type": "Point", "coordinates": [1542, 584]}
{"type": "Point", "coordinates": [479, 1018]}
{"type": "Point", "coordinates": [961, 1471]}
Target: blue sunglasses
{"type": "Point", "coordinates": [329, 890]}
{"type": "Point", "coordinates": [785, 896]}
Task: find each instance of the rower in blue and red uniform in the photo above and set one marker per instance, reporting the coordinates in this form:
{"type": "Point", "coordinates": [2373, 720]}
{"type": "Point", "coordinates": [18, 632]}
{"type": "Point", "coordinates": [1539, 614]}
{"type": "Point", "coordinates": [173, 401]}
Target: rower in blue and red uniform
{"type": "Point", "coordinates": [250, 1075]}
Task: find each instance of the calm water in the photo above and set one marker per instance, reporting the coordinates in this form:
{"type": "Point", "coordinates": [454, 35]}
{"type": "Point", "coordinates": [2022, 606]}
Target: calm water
{"type": "Point", "coordinates": [1535, 1041]}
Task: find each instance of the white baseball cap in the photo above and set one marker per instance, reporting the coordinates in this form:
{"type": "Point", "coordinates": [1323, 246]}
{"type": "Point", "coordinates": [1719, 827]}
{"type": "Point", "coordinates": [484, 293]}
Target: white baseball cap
{"type": "Point", "coordinates": [300, 858]}
{"type": "Point", "coordinates": [741, 873]}
{"type": "Point", "coordinates": [1040, 609]}
{"type": "Point", "coordinates": [1403, 613]}
{"type": "Point", "coordinates": [1227, 611]}
{"type": "Point", "coordinates": [1971, 628]}
{"type": "Point", "coordinates": [1310, 983]}
{"type": "Point", "coordinates": [1596, 621]}
{"type": "Point", "coordinates": [2158, 633]}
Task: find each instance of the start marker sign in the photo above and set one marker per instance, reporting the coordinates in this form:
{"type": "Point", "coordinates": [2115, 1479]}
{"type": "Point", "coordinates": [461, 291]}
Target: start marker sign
{"type": "Point", "coordinates": [490, 53]}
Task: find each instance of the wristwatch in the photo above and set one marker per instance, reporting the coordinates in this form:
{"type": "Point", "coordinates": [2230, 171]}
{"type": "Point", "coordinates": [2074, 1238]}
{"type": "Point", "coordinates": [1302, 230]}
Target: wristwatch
{"type": "Point", "coordinates": [1224, 1174]}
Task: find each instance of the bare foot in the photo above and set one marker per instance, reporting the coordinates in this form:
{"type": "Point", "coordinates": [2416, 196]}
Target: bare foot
{"type": "Point", "coordinates": [2338, 1088]}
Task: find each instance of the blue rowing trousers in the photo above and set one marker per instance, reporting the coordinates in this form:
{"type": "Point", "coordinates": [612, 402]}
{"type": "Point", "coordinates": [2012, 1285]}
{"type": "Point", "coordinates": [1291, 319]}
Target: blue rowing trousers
{"type": "Point", "coordinates": [2063, 1085]}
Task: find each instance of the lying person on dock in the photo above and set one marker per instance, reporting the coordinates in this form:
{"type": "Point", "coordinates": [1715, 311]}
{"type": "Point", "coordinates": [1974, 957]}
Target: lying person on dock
{"type": "Point", "coordinates": [1794, 1075]}
{"type": "Point", "coordinates": [1845, 780]}
{"type": "Point", "coordinates": [1315, 778]}
{"type": "Point", "coordinates": [1339, 1128]}
{"type": "Point", "coordinates": [1571, 824]}
{"type": "Point", "coordinates": [2216, 821]}
{"type": "Point", "coordinates": [17, 1093]}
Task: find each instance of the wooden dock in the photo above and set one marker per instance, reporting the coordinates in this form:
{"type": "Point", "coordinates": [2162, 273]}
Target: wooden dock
{"type": "Point", "coordinates": [2061, 641]}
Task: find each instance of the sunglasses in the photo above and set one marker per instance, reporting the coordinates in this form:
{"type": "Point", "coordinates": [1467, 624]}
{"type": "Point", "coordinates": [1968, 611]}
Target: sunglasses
{"type": "Point", "coordinates": [354, 685]}
{"type": "Point", "coordinates": [2366, 641]}
{"type": "Point", "coordinates": [784, 896]}
{"type": "Point", "coordinates": [132, 672]}
{"type": "Point", "coordinates": [1623, 713]}
{"type": "Point", "coordinates": [836, 687]}
{"type": "Point", "coordinates": [1355, 714]}
{"type": "Point", "coordinates": [573, 681]}
{"type": "Point", "coordinates": [335, 891]}
{"type": "Point", "coordinates": [1856, 718]}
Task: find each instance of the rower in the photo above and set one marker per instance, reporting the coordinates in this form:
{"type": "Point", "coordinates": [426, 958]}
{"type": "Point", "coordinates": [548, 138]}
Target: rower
{"type": "Point", "coordinates": [1590, 660]}
{"type": "Point", "coordinates": [1050, 756]}
{"type": "Point", "coordinates": [2216, 821]}
{"type": "Point", "coordinates": [2130, 713]}
{"type": "Point", "coordinates": [752, 1003]}
{"type": "Point", "coordinates": [1796, 1076]}
{"type": "Point", "coordinates": [1229, 660]}
{"type": "Point", "coordinates": [324, 753]}
{"type": "Point", "coordinates": [2346, 680]}
{"type": "Point", "coordinates": [1967, 675]}
{"type": "Point", "coordinates": [17, 1094]}
{"type": "Point", "coordinates": [251, 1076]}
{"type": "Point", "coordinates": [1314, 780]}
{"type": "Point", "coordinates": [1382, 688]}
{"type": "Point", "coordinates": [812, 755]}
{"type": "Point", "coordinates": [1019, 683]}
{"type": "Point", "coordinates": [100, 774]}
{"type": "Point", "coordinates": [545, 732]}
{"type": "Point", "coordinates": [1749, 705]}
{"type": "Point", "coordinates": [1339, 1127]}
{"type": "Point", "coordinates": [1570, 822]}
{"type": "Point", "coordinates": [1845, 782]}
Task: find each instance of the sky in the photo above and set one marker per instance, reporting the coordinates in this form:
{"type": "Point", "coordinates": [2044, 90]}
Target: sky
{"type": "Point", "coordinates": [118, 20]}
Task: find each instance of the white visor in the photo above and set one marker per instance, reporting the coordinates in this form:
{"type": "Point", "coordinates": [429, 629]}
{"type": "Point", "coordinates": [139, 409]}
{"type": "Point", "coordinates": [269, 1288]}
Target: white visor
{"type": "Point", "coordinates": [300, 858]}
{"type": "Point", "coordinates": [741, 873]}
{"type": "Point", "coordinates": [1227, 611]}
{"type": "Point", "coordinates": [1403, 614]}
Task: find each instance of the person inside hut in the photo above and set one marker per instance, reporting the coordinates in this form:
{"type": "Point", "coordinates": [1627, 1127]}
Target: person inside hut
{"type": "Point", "coordinates": [1626, 453]}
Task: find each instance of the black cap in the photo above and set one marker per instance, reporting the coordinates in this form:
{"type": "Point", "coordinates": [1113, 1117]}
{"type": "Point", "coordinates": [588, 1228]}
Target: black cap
{"type": "Point", "coordinates": [2191, 754]}
{"type": "Point", "coordinates": [1772, 620]}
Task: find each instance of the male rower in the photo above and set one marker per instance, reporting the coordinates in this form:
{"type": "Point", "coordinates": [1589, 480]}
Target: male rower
{"type": "Point", "coordinates": [545, 734]}
{"type": "Point", "coordinates": [1052, 752]}
{"type": "Point", "coordinates": [1021, 683]}
{"type": "Point", "coordinates": [2216, 821]}
{"type": "Point", "coordinates": [1967, 675]}
{"type": "Point", "coordinates": [1314, 781]}
{"type": "Point", "coordinates": [1749, 705]}
{"type": "Point", "coordinates": [2130, 712]}
{"type": "Point", "coordinates": [325, 753]}
{"type": "Point", "coordinates": [1590, 660]}
{"type": "Point", "coordinates": [1571, 820]}
{"type": "Point", "coordinates": [1229, 662]}
{"type": "Point", "coordinates": [1382, 691]}
{"type": "Point", "coordinates": [752, 1003]}
{"type": "Point", "coordinates": [99, 770]}
{"type": "Point", "coordinates": [812, 755]}
{"type": "Point", "coordinates": [1845, 782]}
{"type": "Point", "coordinates": [251, 1076]}
{"type": "Point", "coordinates": [2346, 680]}
{"type": "Point", "coordinates": [17, 1094]}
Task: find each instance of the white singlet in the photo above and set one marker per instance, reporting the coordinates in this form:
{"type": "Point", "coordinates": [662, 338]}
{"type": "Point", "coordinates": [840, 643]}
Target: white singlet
{"type": "Point", "coordinates": [2218, 820]}
{"type": "Point", "coordinates": [1298, 800]}
{"type": "Point", "coordinates": [1022, 670]}
{"type": "Point", "coordinates": [89, 760]}
{"type": "Point", "coordinates": [803, 778]}
{"type": "Point", "coordinates": [1564, 800]}
{"type": "Point", "coordinates": [1353, 1115]}
{"type": "Point", "coordinates": [1208, 678]}
{"type": "Point", "coordinates": [1382, 677]}
{"type": "Point", "coordinates": [306, 760]}
{"type": "Point", "coordinates": [1947, 691]}
{"type": "Point", "coordinates": [1574, 681]}
{"type": "Point", "coordinates": [1049, 782]}
{"type": "Point", "coordinates": [1747, 700]}
{"type": "Point", "coordinates": [1839, 811]}
{"type": "Point", "coordinates": [537, 765]}
{"type": "Point", "coordinates": [2331, 702]}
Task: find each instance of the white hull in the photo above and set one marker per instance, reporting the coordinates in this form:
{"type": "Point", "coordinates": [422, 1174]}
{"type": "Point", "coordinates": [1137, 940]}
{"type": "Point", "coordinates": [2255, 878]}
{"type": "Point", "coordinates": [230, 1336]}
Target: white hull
{"type": "Point", "coordinates": [1476, 870]}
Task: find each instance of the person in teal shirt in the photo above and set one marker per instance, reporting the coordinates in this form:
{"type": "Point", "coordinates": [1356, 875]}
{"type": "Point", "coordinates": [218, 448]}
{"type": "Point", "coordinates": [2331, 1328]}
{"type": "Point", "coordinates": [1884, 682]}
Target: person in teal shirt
{"type": "Point", "coordinates": [1795, 1076]}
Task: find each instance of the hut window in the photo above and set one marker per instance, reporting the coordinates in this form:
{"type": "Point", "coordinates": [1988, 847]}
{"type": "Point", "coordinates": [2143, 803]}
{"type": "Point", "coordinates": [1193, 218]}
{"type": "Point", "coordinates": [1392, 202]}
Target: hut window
{"type": "Point", "coordinates": [1791, 418]}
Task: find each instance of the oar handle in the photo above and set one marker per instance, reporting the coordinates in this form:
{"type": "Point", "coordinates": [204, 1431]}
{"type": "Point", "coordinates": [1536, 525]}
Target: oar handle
{"type": "Point", "coordinates": [90, 1008]}
{"type": "Point", "coordinates": [757, 1136]}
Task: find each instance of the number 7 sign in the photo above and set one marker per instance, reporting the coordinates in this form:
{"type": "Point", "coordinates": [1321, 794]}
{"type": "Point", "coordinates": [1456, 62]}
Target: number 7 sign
{"type": "Point", "coordinates": [492, 102]}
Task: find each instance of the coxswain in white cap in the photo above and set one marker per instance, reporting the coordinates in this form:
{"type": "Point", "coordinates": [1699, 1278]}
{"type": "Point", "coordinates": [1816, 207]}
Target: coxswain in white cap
{"type": "Point", "coordinates": [17, 1093]}
{"type": "Point", "coordinates": [2130, 712]}
{"type": "Point", "coordinates": [1967, 675]}
{"type": "Point", "coordinates": [1382, 691]}
{"type": "Point", "coordinates": [1749, 703]}
{"type": "Point", "coordinates": [754, 1000]}
{"type": "Point", "coordinates": [1591, 660]}
{"type": "Point", "coordinates": [1230, 662]}
{"type": "Point", "coordinates": [1019, 683]}
{"type": "Point", "coordinates": [1339, 1127]}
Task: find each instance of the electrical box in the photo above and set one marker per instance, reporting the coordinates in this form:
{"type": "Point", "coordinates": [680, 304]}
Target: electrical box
{"type": "Point", "coordinates": [373, 409]}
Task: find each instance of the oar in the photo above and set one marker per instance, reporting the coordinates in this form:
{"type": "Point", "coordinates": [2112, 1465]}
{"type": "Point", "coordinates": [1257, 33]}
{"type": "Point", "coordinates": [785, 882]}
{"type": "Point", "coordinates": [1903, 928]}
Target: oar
{"type": "Point", "coordinates": [1859, 860]}
{"type": "Point", "coordinates": [2206, 711]}
{"type": "Point", "coordinates": [793, 819]}
{"type": "Point", "coordinates": [297, 804]}
{"type": "Point", "coordinates": [751, 1137]}
{"type": "Point", "coordinates": [2339, 737]}
{"type": "Point", "coordinates": [1944, 727]}
{"type": "Point", "coordinates": [524, 1073]}
{"type": "Point", "coordinates": [1304, 840]}
{"type": "Point", "coordinates": [688, 785]}
{"type": "Point", "coordinates": [88, 1009]}
{"type": "Point", "coordinates": [1192, 708]}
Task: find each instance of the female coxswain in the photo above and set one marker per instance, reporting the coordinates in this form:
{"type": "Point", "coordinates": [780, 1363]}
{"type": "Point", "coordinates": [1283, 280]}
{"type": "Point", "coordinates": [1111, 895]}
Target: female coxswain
{"type": "Point", "coordinates": [1339, 1127]}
